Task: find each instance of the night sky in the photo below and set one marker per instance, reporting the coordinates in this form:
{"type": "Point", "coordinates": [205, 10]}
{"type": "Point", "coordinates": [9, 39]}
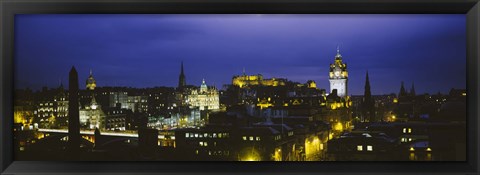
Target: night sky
{"type": "Point", "coordinates": [146, 50]}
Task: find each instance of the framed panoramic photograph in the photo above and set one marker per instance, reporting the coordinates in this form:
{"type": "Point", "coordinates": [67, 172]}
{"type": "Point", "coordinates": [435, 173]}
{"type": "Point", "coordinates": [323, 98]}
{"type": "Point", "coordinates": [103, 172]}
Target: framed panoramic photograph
{"type": "Point", "coordinates": [186, 87]}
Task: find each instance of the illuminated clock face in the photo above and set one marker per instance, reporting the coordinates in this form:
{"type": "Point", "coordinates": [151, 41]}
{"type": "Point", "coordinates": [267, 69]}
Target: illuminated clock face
{"type": "Point", "coordinates": [337, 73]}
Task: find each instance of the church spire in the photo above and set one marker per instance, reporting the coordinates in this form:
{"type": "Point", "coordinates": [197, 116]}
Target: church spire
{"type": "Point", "coordinates": [367, 87]}
{"type": "Point", "coordinates": [61, 83]}
{"type": "Point", "coordinates": [368, 109]}
{"type": "Point", "coordinates": [403, 92]}
{"type": "Point", "coordinates": [412, 90]}
{"type": "Point", "coordinates": [181, 68]}
{"type": "Point", "coordinates": [181, 78]}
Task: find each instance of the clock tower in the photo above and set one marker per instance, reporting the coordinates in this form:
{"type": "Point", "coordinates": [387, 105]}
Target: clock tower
{"type": "Point", "coordinates": [338, 76]}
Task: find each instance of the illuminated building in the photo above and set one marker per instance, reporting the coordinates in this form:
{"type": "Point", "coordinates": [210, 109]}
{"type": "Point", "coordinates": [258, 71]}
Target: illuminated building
{"type": "Point", "coordinates": [92, 116]}
{"type": "Point", "coordinates": [338, 76]}
{"type": "Point", "coordinates": [91, 84]}
{"type": "Point", "coordinates": [207, 143]}
{"type": "Point", "coordinates": [311, 84]}
{"type": "Point", "coordinates": [118, 99]}
{"type": "Point", "coordinates": [366, 146]}
{"type": "Point", "coordinates": [206, 98]}
{"type": "Point", "coordinates": [52, 109]}
{"type": "Point", "coordinates": [137, 103]}
{"type": "Point", "coordinates": [256, 80]}
{"type": "Point", "coordinates": [61, 105]}
{"type": "Point", "coordinates": [116, 118]}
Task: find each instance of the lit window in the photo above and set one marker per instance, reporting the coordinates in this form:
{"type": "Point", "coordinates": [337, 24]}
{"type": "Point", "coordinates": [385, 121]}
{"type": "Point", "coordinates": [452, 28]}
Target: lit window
{"type": "Point", "coordinates": [409, 130]}
{"type": "Point", "coordinates": [196, 135]}
{"type": "Point", "coordinates": [258, 138]}
{"type": "Point", "coordinates": [244, 137]}
{"type": "Point", "coordinates": [409, 139]}
{"type": "Point", "coordinates": [404, 130]}
{"type": "Point", "coordinates": [369, 148]}
{"type": "Point", "coordinates": [187, 135]}
{"type": "Point", "coordinates": [359, 147]}
{"type": "Point", "coordinates": [251, 138]}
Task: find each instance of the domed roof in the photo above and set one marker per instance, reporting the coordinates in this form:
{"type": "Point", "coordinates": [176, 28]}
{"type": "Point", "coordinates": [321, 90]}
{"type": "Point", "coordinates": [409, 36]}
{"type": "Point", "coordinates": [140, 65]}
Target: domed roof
{"type": "Point", "coordinates": [91, 83]}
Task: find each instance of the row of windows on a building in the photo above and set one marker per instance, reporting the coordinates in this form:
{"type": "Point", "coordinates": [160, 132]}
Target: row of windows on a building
{"type": "Point", "coordinates": [360, 147]}
{"type": "Point", "coordinates": [51, 109]}
{"type": "Point", "coordinates": [251, 138]}
{"type": "Point", "coordinates": [407, 130]}
{"type": "Point", "coordinates": [216, 152]}
{"type": "Point", "coordinates": [207, 135]}
{"type": "Point", "coordinates": [406, 140]}
{"type": "Point", "coordinates": [205, 143]}
{"type": "Point", "coordinates": [278, 137]}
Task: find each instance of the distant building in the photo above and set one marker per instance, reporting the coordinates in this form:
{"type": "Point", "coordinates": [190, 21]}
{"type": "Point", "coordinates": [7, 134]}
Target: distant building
{"type": "Point", "coordinates": [181, 79]}
{"type": "Point", "coordinates": [339, 76]}
{"type": "Point", "coordinates": [116, 118]}
{"type": "Point", "coordinates": [92, 116]}
{"type": "Point", "coordinates": [368, 103]}
{"type": "Point", "coordinates": [91, 84]}
{"type": "Point", "coordinates": [52, 108]}
{"type": "Point", "coordinates": [206, 98]}
{"type": "Point", "coordinates": [363, 146]}
{"type": "Point", "coordinates": [245, 80]}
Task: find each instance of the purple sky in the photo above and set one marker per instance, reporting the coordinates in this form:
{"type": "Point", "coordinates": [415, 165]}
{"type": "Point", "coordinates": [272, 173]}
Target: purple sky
{"type": "Point", "coordinates": [146, 50]}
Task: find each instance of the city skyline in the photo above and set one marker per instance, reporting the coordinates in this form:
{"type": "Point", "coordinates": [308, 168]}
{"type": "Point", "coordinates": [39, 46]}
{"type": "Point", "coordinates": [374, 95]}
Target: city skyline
{"type": "Point", "coordinates": [217, 47]}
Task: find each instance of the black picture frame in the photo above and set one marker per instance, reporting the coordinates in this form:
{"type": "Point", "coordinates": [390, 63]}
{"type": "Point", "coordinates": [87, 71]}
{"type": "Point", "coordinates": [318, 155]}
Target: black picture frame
{"type": "Point", "coordinates": [9, 8]}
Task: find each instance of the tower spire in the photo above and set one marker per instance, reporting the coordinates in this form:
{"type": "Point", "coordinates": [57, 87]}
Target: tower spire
{"type": "Point", "coordinates": [367, 86]}
{"type": "Point", "coordinates": [368, 109]}
{"type": "Point", "coordinates": [181, 69]}
{"type": "Point", "coordinates": [412, 90]}
{"type": "Point", "coordinates": [181, 78]}
{"type": "Point", "coordinates": [402, 91]}
{"type": "Point", "coordinates": [338, 56]}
